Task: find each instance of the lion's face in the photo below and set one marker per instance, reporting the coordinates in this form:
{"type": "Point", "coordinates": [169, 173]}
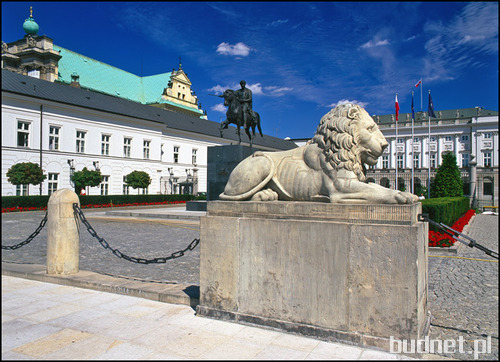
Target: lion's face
{"type": "Point", "coordinates": [370, 140]}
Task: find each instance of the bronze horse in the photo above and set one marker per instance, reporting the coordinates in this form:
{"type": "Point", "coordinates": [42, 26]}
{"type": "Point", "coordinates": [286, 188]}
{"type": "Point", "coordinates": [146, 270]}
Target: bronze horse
{"type": "Point", "coordinates": [234, 115]}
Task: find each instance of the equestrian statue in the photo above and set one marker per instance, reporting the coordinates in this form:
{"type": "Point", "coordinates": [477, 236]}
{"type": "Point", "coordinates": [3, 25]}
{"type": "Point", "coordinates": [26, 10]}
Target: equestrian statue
{"type": "Point", "coordinates": [240, 112]}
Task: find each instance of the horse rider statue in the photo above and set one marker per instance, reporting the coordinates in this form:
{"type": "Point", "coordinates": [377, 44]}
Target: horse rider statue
{"type": "Point", "coordinates": [244, 95]}
{"type": "Point", "coordinates": [240, 112]}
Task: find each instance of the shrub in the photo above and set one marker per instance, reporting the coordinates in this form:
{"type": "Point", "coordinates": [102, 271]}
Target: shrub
{"type": "Point", "coordinates": [445, 210]}
{"type": "Point", "coordinates": [86, 178]}
{"type": "Point", "coordinates": [25, 173]}
{"type": "Point", "coordinates": [138, 179]}
{"type": "Point", "coordinates": [448, 182]}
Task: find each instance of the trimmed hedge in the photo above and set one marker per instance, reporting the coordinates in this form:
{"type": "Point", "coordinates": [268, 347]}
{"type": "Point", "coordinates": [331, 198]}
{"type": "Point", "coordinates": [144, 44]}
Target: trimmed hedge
{"type": "Point", "coordinates": [445, 210]}
{"type": "Point", "coordinates": [41, 201]}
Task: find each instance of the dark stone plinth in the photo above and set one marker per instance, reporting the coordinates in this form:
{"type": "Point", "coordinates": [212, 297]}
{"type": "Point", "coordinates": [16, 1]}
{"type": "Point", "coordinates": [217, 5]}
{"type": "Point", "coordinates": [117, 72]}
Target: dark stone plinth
{"type": "Point", "coordinates": [200, 205]}
{"type": "Point", "coordinates": [221, 160]}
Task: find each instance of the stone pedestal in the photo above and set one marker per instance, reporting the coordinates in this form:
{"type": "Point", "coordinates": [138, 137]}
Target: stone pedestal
{"type": "Point", "coordinates": [221, 160]}
{"type": "Point", "coordinates": [341, 272]}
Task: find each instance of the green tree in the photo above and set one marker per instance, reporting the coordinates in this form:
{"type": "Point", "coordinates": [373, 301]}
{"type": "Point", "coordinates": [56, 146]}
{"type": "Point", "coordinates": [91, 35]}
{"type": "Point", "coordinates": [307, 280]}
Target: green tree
{"type": "Point", "coordinates": [25, 173]}
{"type": "Point", "coordinates": [448, 182]}
{"type": "Point", "coordinates": [138, 179]}
{"type": "Point", "coordinates": [85, 178]}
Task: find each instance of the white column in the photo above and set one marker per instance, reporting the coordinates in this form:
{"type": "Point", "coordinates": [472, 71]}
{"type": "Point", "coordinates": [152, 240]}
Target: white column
{"type": "Point", "coordinates": [494, 149]}
{"type": "Point", "coordinates": [456, 150]}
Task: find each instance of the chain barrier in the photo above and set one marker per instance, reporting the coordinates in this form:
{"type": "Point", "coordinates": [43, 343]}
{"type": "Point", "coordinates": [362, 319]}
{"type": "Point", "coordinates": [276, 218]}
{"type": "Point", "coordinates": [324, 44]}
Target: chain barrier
{"type": "Point", "coordinates": [119, 254]}
{"type": "Point", "coordinates": [454, 234]}
{"type": "Point", "coordinates": [31, 237]}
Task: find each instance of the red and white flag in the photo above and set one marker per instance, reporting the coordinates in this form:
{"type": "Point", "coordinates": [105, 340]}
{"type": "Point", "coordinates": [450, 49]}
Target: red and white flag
{"type": "Point", "coordinates": [397, 108]}
{"type": "Point", "coordinates": [418, 83]}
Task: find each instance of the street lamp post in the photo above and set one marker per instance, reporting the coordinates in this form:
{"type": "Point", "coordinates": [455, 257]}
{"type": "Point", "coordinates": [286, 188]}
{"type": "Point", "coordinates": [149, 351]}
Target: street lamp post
{"type": "Point", "coordinates": [71, 171]}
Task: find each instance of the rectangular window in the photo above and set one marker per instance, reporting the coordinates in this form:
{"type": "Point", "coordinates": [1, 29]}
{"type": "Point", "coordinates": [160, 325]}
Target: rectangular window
{"type": "Point", "coordinates": [21, 190]}
{"type": "Point", "coordinates": [416, 160]}
{"type": "Point", "coordinates": [52, 179]}
{"type": "Point", "coordinates": [448, 138]}
{"type": "Point", "coordinates": [54, 137]}
{"type": "Point", "coordinates": [487, 135]}
{"type": "Point", "coordinates": [416, 139]}
{"type": "Point", "coordinates": [80, 141]}
{"type": "Point", "coordinates": [105, 185]}
{"type": "Point", "coordinates": [465, 137]}
{"type": "Point", "coordinates": [385, 161]}
{"type": "Point", "coordinates": [487, 187]}
{"type": "Point", "coordinates": [433, 138]}
{"type": "Point", "coordinates": [23, 133]}
{"type": "Point", "coordinates": [193, 156]}
{"type": "Point", "coordinates": [433, 160]}
{"type": "Point", "coordinates": [126, 188]}
{"type": "Point", "coordinates": [400, 140]}
{"type": "Point", "coordinates": [176, 154]}
{"type": "Point", "coordinates": [400, 161]}
{"type": "Point", "coordinates": [465, 160]}
{"type": "Point", "coordinates": [127, 145]}
{"type": "Point", "coordinates": [146, 149]}
{"type": "Point", "coordinates": [487, 159]}
{"type": "Point", "coordinates": [105, 144]}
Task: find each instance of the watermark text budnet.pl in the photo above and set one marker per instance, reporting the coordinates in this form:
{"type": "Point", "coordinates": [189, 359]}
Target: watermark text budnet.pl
{"type": "Point", "coordinates": [427, 345]}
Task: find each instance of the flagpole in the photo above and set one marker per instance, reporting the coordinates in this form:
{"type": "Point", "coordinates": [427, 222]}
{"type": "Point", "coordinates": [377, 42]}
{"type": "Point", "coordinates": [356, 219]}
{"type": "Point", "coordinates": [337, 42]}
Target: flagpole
{"type": "Point", "coordinates": [421, 96]}
{"type": "Point", "coordinates": [397, 109]}
{"type": "Point", "coordinates": [429, 156]}
{"type": "Point", "coordinates": [412, 147]}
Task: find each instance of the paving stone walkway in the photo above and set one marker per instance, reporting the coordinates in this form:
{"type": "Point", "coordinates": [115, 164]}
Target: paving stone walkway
{"type": "Point", "coordinates": [463, 293]}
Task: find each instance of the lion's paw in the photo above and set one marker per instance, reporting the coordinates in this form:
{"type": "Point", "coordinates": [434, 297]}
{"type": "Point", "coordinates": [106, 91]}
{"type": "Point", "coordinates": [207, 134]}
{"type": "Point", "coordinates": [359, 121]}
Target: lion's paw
{"type": "Point", "coordinates": [265, 195]}
{"type": "Point", "coordinates": [406, 198]}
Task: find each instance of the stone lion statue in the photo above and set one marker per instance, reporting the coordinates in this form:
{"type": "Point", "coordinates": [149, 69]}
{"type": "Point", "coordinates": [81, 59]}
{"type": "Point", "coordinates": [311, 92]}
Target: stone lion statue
{"type": "Point", "coordinates": [329, 168]}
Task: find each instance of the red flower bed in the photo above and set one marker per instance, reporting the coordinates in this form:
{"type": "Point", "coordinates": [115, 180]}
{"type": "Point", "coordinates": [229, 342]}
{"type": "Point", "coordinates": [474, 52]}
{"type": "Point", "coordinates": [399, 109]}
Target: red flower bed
{"type": "Point", "coordinates": [92, 206]}
{"type": "Point", "coordinates": [20, 209]}
{"type": "Point", "coordinates": [439, 239]}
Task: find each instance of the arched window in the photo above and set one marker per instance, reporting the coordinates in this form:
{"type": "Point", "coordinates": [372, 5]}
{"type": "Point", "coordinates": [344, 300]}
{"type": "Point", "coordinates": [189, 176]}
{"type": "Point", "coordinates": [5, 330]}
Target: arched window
{"type": "Point", "coordinates": [385, 182]}
{"type": "Point", "coordinates": [401, 184]}
{"type": "Point", "coordinates": [370, 179]}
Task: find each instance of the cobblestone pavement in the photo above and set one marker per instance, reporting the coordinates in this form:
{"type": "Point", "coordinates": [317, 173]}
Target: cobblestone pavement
{"type": "Point", "coordinates": [134, 237]}
{"type": "Point", "coordinates": [463, 293]}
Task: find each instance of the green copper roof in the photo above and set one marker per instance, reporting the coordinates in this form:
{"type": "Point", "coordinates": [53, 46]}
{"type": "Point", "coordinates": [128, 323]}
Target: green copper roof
{"type": "Point", "coordinates": [110, 80]}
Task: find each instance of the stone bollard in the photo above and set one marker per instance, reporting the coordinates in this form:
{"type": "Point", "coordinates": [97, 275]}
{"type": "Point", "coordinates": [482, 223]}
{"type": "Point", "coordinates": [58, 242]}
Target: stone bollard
{"type": "Point", "coordinates": [63, 244]}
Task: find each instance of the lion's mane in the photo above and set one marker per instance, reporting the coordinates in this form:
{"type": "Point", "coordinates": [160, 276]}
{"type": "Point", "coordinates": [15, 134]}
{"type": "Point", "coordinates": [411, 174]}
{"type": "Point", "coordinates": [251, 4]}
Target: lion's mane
{"type": "Point", "coordinates": [336, 137]}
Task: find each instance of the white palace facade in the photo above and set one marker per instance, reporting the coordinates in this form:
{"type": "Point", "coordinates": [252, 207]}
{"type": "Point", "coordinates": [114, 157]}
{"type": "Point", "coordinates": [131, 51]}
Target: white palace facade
{"type": "Point", "coordinates": [470, 133]}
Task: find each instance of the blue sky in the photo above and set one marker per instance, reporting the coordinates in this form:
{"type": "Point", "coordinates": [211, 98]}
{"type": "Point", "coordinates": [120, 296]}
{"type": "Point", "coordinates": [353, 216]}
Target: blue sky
{"type": "Point", "coordinates": [299, 58]}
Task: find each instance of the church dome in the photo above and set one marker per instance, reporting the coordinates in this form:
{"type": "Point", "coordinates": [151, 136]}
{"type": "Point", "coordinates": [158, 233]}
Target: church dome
{"type": "Point", "coordinates": [30, 26]}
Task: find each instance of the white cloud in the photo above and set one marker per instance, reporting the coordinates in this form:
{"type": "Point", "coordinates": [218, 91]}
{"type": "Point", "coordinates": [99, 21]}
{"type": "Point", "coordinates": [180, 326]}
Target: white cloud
{"type": "Point", "coordinates": [371, 43]}
{"type": "Point", "coordinates": [277, 91]}
{"type": "Point", "coordinates": [457, 45]}
{"type": "Point", "coordinates": [219, 108]}
{"type": "Point", "coordinates": [217, 89]}
{"type": "Point", "coordinates": [239, 49]}
{"type": "Point", "coordinates": [278, 22]}
{"type": "Point", "coordinates": [345, 101]}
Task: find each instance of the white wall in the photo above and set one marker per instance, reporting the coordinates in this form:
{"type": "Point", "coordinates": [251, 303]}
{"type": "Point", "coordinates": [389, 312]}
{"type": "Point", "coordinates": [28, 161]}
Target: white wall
{"type": "Point", "coordinates": [95, 123]}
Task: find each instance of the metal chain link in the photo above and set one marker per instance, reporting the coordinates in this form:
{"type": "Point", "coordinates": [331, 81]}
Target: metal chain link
{"type": "Point", "coordinates": [31, 237]}
{"type": "Point", "coordinates": [119, 254]}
